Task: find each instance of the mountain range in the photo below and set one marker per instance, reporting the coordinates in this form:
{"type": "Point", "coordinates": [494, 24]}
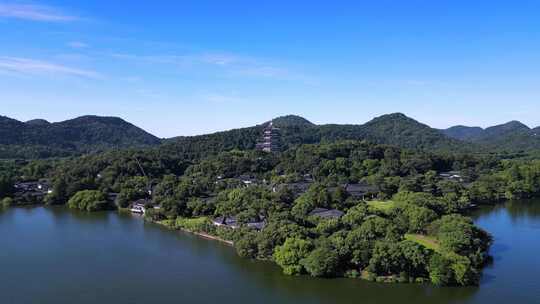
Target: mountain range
{"type": "Point", "coordinates": [511, 136]}
{"type": "Point", "coordinates": [39, 139]}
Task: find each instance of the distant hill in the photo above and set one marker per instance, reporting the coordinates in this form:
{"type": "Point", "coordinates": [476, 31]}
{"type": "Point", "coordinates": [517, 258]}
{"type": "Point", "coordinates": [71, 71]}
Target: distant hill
{"type": "Point", "coordinates": [511, 136]}
{"type": "Point", "coordinates": [293, 121]}
{"type": "Point", "coordinates": [38, 122]}
{"type": "Point", "coordinates": [39, 138]}
{"type": "Point", "coordinates": [509, 128]}
{"type": "Point", "coordinates": [393, 129]}
{"type": "Point", "coordinates": [463, 132]}
{"type": "Point", "coordinates": [400, 130]}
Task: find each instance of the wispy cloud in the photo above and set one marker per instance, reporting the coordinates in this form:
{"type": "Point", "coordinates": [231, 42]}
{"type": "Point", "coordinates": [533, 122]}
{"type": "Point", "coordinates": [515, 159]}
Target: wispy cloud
{"type": "Point", "coordinates": [27, 66]}
{"type": "Point", "coordinates": [77, 45]}
{"type": "Point", "coordinates": [180, 60]}
{"type": "Point", "coordinates": [34, 12]}
{"type": "Point", "coordinates": [229, 64]}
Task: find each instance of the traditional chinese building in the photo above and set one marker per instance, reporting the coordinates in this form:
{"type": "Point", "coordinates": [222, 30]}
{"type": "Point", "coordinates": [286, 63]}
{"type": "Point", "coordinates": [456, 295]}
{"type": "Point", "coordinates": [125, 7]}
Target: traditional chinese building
{"type": "Point", "coordinates": [270, 141]}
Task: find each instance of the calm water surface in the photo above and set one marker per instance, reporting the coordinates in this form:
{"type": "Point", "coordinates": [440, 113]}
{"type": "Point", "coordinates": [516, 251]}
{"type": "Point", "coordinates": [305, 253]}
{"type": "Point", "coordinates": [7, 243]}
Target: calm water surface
{"type": "Point", "coordinates": [53, 255]}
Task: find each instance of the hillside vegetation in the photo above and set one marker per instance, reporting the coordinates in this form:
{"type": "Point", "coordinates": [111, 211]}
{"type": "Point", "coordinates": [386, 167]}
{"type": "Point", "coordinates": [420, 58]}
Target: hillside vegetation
{"type": "Point", "coordinates": [511, 136]}
{"type": "Point", "coordinates": [40, 139]}
{"type": "Point", "coordinates": [393, 129]}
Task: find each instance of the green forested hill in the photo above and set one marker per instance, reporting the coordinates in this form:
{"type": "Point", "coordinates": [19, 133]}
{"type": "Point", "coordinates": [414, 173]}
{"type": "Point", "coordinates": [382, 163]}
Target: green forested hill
{"type": "Point", "coordinates": [395, 129]}
{"type": "Point", "coordinates": [511, 136]}
{"type": "Point", "coordinates": [400, 130]}
{"type": "Point", "coordinates": [41, 139]}
{"type": "Point", "coordinates": [38, 122]}
{"type": "Point", "coordinates": [463, 132]}
{"type": "Point", "coordinates": [38, 138]}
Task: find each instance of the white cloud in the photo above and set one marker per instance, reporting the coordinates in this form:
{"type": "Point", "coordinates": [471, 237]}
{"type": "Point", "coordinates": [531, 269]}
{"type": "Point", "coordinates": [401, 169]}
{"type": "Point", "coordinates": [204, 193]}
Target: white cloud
{"type": "Point", "coordinates": [230, 64]}
{"type": "Point", "coordinates": [34, 12]}
{"type": "Point", "coordinates": [77, 45]}
{"type": "Point", "coordinates": [27, 66]}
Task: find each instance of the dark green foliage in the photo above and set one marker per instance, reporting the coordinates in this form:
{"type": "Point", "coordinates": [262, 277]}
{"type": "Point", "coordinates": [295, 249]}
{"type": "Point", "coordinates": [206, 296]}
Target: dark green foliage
{"type": "Point", "coordinates": [6, 202]}
{"type": "Point", "coordinates": [132, 189]}
{"type": "Point", "coordinates": [516, 179]}
{"type": "Point", "coordinates": [39, 139]}
{"type": "Point", "coordinates": [511, 136]}
{"type": "Point", "coordinates": [464, 132]}
{"type": "Point", "coordinates": [275, 233]}
{"type": "Point", "coordinates": [291, 253]}
{"type": "Point", "coordinates": [8, 174]}
{"type": "Point", "coordinates": [400, 130]}
{"type": "Point", "coordinates": [458, 234]}
{"type": "Point", "coordinates": [440, 271]}
{"type": "Point", "coordinates": [6, 186]}
{"type": "Point", "coordinates": [88, 200]}
{"type": "Point", "coordinates": [356, 215]}
{"type": "Point", "coordinates": [394, 129]}
{"type": "Point", "coordinates": [247, 246]}
{"type": "Point", "coordinates": [71, 137]}
{"type": "Point", "coordinates": [321, 262]}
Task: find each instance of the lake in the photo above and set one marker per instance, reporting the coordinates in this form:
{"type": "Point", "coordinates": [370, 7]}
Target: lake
{"type": "Point", "coordinates": [55, 255]}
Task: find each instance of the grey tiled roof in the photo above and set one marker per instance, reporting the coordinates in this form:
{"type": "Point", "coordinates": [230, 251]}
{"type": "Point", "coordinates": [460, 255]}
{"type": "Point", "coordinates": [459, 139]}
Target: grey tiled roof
{"type": "Point", "coordinates": [326, 213]}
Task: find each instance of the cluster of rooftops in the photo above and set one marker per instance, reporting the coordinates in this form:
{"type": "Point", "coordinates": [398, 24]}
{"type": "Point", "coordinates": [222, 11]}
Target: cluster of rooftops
{"type": "Point", "coordinates": [36, 189]}
{"type": "Point", "coordinates": [361, 191]}
{"type": "Point", "coordinates": [260, 223]}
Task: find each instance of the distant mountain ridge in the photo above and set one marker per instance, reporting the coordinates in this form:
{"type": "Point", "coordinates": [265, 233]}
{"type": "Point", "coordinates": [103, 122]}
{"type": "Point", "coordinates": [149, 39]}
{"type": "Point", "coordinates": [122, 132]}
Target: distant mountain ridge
{"type": "Point", "coordinates": [38, 122]}
{"type": "Point", "coordinates": [511, 136]}
{"type": "Point", "coordinates": [80, 135]}
{"type": "Point", "coordinates": [393, 129]}
{"type": "Point", "coordinates": [463, 132]}
{"type": "Point", "coordinates": [39, 138]}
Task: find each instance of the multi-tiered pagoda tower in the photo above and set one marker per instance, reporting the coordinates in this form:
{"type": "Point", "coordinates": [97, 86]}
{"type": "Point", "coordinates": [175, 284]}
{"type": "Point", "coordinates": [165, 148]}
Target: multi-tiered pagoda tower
{"type": "Point", "coordinates": [270, 141]}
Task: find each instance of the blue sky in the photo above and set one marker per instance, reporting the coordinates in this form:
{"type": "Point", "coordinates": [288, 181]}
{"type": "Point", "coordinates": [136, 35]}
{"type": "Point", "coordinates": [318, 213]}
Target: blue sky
{"type": "Point", "coordinates": [192, 67]}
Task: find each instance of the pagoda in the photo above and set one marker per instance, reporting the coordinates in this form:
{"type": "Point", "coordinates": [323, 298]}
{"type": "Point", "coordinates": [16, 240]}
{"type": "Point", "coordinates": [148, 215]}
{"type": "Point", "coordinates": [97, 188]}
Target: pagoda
{"type": "Point", "coordinates": [270, 140]}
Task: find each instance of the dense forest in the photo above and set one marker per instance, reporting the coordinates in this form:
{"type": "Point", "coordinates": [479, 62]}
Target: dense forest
{"type": "Point", "coordinates": [41, 139]}
{"type": "Point", "coordinates": [394, 129]}
{"type": "Point", "coordinates": [511, 136]}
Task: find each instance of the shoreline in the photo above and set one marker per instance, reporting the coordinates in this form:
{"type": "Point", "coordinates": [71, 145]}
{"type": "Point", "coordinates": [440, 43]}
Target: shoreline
{"type": "Point", "coordinates": [361, 275]}
{"type": "Point", "coordinates": [199, 234]}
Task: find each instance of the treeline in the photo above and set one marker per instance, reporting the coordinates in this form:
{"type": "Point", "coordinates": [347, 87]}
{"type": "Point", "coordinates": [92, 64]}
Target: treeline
{"type": "Point", "coordinates": [112, 172]}
{"type": "Point", "coordinates": [515, 180]}
{"type": "Point", "coordinates": [9, 171]}
{"type": "Point", "coordinates": [40, 139]}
